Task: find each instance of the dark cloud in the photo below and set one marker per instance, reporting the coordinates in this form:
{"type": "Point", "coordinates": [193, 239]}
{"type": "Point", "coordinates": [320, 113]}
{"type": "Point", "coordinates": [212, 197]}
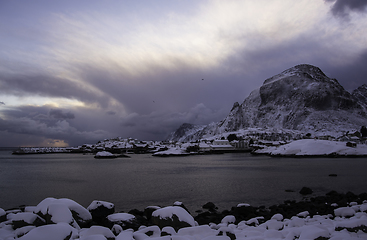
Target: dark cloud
{"type": "Point", "coordinates": [157, 125]}
{"type": "Point", "coordinates": [111, 113]}
{"type": "Point", "coordinates": [58, 113]}
{"type": "Point", "coordinates": [2, 103]}
{"type": "Point", "coordinates": [342, 8]}
{"type": "Point", "coordinates": [45, 122]}
{"type": "Point", "coordinates": [351, 75]}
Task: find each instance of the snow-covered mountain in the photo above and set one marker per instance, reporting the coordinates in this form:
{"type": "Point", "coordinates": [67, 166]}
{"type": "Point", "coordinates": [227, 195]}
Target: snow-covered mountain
{"type": "Point", "coordinates": [301, 98]}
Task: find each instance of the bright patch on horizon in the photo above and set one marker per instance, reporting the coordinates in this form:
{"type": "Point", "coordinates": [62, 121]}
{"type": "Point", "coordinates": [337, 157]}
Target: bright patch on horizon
{"type": "Point", "coordinates": [13, 101]}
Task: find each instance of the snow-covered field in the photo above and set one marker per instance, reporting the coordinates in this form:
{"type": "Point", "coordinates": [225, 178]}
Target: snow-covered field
{"type": "Point", "coordinates": [60, 219]}
{"type": "Point", "coordinates": [313, 147]}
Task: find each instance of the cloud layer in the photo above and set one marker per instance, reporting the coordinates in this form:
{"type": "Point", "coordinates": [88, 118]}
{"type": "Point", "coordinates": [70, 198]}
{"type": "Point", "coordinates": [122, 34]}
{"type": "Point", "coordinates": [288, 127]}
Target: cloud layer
{"type": "Point", "coordinates": [81, 72]}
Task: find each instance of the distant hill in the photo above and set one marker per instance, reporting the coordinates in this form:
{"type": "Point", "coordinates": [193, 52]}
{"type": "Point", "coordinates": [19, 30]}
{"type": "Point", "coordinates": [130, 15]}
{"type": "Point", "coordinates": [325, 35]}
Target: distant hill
{"type": "Point", "coordinates": [301, 99]}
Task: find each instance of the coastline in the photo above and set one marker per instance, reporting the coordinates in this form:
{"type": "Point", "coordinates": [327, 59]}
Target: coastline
{"type": "Point", "coordinates": [334, 207]}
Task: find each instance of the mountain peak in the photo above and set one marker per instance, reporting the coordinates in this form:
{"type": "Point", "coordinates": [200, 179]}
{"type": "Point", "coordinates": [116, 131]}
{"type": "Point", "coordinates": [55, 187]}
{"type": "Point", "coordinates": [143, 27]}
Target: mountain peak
{"type": "Point", "coordinates": [301, 70]}
{"type": "Point", "coordinates": [301, 99]}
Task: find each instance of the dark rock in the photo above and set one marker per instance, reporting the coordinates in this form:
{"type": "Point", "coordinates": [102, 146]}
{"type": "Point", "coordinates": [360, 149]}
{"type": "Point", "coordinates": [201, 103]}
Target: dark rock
{"type": "Point", "coordinates": [180, 204]}
{"type": "Point", "coordinates": [227, 233]}
{"type": "Point", "coordinates": [173, 221]}
{"type": "Point", "coordinates": [333, 175]}
{"type": "Point", "coordinates": [306, 191]}
{"type": "Point", "coordinates": [210, 206]}
{"type": "Point", "coordinates": [149, 210]}
{"type": "Point", "coordinates": [208, 217]}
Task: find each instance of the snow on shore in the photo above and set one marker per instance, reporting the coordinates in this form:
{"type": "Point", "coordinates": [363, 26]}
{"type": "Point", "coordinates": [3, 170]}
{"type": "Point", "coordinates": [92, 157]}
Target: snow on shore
{"type": "Point", "coordinates": [172, 152]}
{"type": "Point", "coordinates": [313, 147]}
{"type": "Point", "coordinates": [348, 222]}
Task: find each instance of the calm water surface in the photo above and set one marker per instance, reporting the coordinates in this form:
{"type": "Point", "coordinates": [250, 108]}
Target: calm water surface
{"type": "Point", "coordinates": [143, 180]}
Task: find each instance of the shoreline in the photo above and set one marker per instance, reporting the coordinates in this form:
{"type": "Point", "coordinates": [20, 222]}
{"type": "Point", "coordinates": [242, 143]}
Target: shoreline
{"type": "Point", "coordinates": [322, 204]}
{"type": "Point", "coordinates": [347, 212]}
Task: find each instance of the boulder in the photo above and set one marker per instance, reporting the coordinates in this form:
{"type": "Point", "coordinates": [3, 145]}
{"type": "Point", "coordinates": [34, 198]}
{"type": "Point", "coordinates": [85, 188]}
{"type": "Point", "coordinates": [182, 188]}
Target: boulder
{"type": "Point", "coordinates": [306, 191]}
{"type": "Point", "coordinates": [2, 215]}
{"type": "Point", "coordinates": [95, 231]}
{"type": "Point", "coordinates": [60, 231]}
{"type": "Point", "coordinates": [210, 206]}
{"type": "Point", "coordinates": [22, 219]}
{"type": "Point", "coordinates": [100, 210]}
{"type": "Point", "coordinates": [125, 220]}
{"type": "Point", "coordinates": [80, 214]}
{"type": "Point", "coordinates": [173, 216]}
{"type": "Point", "coordinates": [57, 213]}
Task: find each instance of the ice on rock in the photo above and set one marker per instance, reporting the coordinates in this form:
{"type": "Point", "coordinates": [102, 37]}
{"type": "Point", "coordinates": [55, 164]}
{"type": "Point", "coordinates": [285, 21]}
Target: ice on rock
{"type": "Point", "coordinates": [95, 204]}
{"type": "Point", "coordinates": [243, 205]}
{"type": "Point", "coordinates": [96, 230]}
{"type": "Point", "coordinates": [116, 229]}
{"type": "Point", "coordinates": [278, 217]}
{"type": "Point", "coordinates": [29, 209]}
{"type": "Point", "coordinates": [344, 212]}
{"type": "Point", "coordinates": [303, 214]}
{"type": "Point", "coordinates": [363, 208]}
{"type": "Point", "coordinates": [120, 217]}
{"type": "Point", "coordinates": [29, 218]}
{"type": "Point", "coordinates": [296, 222]}
{"type": "Point", "coordinates": [229, 219]}
{"type": "Point", "coordinates": [79, 213]}
{"type": "Point", "coordinates": [169, 230]}
{"type": "Point", "coordinates": [94, 237]}
{"type": "Point", "coordinates": [313, 232]}
{"type": "Point", "coordinates": [60, 231]}
{"type": "Point", "coordinates": [198, 231]}
{"type": "Point", "coordinates": [2, 212]}
{"type": "Point", "coordinates": [274, 224]}
{"type": "Point", "coordinates": [173, 214]}
{"type": "Point", "coordinates": [217, 238]}
{"type": "Point", "coordinates": [125, 235]}
{"type": "Point", "coordinates": [351, 223]}
{"type": "Point", "coordinates": [273, 234]}
{"type": "Point", "coordinates": [60, 213]}
{"type": "Point", "coordinates": [22, 231]}
{"type": "Point", "coordinates": [154, 230]}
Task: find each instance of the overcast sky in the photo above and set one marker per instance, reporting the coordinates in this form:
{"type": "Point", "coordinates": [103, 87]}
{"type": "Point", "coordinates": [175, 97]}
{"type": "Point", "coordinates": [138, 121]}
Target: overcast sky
{"type": "Point", "coordinates": [74, 72]}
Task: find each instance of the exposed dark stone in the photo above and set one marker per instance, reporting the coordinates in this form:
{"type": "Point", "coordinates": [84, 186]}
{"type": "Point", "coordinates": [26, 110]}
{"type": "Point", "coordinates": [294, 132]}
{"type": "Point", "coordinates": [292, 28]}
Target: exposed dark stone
{"type": "Point", "coordinates": [174, 222]}
{"type": "Point", "coordinates": [229, 234]}
{"type": "Point", "coordinates": [140, 217]}
{"type": "Point", "coordinates": [183, 206]}
{"type": "Point", "coordinates": [148, 212]}
{"type": "Point", "coordinates": [306, 191]}
{"type": "Point", "coordinates": [210, 206]}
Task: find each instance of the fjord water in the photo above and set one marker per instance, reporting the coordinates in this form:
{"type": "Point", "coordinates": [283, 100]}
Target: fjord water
{"type": "Point", "coordinates": [143, 180]}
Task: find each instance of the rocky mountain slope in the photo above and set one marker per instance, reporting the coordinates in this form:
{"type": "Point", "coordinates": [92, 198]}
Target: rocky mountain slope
{"type": "Point", "coordinates": [302, 99]}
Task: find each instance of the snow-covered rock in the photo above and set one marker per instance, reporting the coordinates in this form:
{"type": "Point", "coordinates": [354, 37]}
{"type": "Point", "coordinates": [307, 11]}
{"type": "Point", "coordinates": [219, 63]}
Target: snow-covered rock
{"type": "Point", "coordinates": [80, 214]}
{"type": "Point", "coordinates": [173, 216]}
{"type": "Point", "coordinates": [348, 223]}
{"type": "Point", "coordinates": [60, 231]}
{"type": "Point", "coordinates": [22, 219]}
{"type": "Point", "coordinates": [96, 231]}
{"type": "Point", "coordinates": [100, 210]}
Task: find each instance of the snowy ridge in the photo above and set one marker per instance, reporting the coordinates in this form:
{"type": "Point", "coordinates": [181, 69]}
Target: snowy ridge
{"type": "Point", "coordinates": [301, 99]}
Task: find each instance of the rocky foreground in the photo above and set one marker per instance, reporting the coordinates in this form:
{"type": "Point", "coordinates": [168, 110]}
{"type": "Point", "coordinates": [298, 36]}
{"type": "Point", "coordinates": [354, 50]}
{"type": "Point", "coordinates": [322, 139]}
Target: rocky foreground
{"type": "Point", "coordinates": [333, 216]}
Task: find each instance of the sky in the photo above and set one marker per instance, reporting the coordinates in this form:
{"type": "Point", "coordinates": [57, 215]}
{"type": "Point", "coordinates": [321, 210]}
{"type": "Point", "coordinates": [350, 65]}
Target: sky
{"type": "Point", "coordinates": [75, 72]}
